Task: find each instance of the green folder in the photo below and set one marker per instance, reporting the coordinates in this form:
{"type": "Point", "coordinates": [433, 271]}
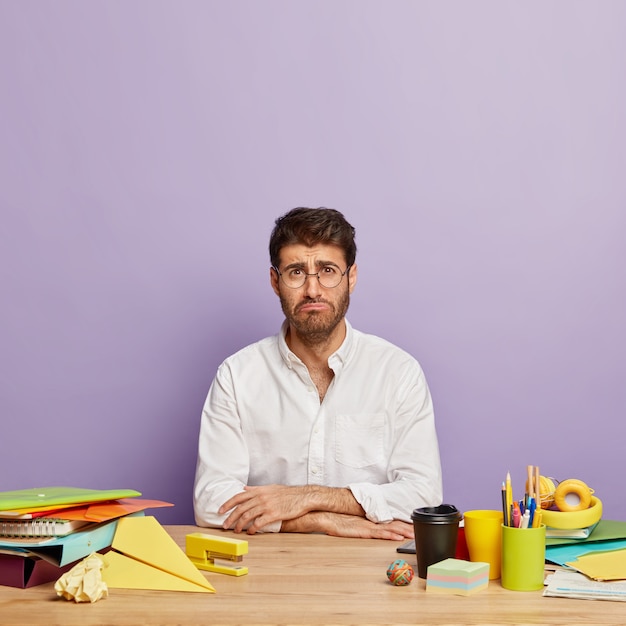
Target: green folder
{"type": "Point", "coordinates": [608, 535]}
{"type": "Point", "coordinates": [605, 530]}
{"type": "Point", "coordinates": [32, 499]}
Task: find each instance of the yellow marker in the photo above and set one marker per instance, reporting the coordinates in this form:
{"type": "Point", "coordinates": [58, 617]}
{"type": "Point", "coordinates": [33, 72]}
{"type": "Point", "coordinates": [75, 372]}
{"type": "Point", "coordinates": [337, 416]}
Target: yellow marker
{"type": "Point", "coordinates": [203, 549]}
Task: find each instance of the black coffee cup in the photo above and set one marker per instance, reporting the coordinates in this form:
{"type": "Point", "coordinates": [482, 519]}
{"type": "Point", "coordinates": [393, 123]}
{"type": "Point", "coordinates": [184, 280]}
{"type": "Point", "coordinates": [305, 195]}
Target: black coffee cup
{"type": "Point", "coordinates": [436, 530]}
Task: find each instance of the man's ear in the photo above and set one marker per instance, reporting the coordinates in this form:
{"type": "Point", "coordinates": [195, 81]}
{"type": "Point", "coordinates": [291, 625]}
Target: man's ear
{"type": "Point", "coordinates": [274, 278]}
{"type": "Point", "coordinates": [352, 276]}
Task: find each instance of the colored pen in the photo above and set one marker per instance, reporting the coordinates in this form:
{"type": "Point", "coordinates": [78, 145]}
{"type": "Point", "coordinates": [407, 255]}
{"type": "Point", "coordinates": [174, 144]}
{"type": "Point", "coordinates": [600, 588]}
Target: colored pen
{"type": "Point", "coordinates": [525, 518]}
{"type": "Point", "coordinates": [517, 514]}
{"type": "Point", "coordinates": [531, 516]}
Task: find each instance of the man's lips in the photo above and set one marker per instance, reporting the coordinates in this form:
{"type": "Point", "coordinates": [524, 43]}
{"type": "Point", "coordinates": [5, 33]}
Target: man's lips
{"type": "Point", "coordinates": [312, 306]}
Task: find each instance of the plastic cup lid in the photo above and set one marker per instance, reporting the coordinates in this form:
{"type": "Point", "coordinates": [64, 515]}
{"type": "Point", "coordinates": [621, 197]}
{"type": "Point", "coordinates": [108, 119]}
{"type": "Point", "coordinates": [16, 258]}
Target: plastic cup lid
{"type": "Point", "coordinates": [441, 513]}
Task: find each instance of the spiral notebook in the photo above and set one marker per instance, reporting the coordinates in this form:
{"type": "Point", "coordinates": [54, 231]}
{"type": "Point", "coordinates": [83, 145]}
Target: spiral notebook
{"type": "Point", "coordinates": [39, 528]}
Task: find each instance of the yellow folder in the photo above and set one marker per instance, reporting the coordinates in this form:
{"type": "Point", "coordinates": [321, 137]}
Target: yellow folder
{"type": "Point", "coordinates": [144, 556]}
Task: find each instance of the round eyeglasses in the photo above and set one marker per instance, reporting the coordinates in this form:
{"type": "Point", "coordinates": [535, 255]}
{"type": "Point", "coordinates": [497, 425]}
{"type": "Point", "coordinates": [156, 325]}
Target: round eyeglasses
{"type": "Point", "coordinates": [328, 276]}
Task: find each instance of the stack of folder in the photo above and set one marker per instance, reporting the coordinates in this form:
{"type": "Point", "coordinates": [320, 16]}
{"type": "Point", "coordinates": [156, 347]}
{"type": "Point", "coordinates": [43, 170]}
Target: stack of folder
{"type": "Point", "coordinates": [600, 557]}
{"type": "Point", "coordinates": [44, 532]}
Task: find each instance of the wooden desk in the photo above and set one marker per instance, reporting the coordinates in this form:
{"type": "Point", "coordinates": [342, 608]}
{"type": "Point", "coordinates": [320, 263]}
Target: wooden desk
{"type": "Point", "coordinates": [305, 579]}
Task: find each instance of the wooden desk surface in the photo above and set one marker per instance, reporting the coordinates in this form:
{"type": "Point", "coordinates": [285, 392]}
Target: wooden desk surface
{"type": "Point", "coordinates": [305, 579]}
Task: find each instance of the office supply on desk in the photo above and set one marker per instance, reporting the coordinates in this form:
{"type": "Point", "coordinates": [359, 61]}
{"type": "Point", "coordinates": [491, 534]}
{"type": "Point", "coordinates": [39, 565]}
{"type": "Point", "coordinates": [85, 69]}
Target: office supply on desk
{"type": "Point", "coordinates": [561, 554]}
{"type": "Point", "coordinates": [453, 576]}
{"type": "Point", "coordinates": [408, 547]}
{"type": "Point", "coordinates": [40, 548]}
{"type": "Point", "coordinates": [203, 550]}
{"type": "Point", "coordinates": [607, 535]}
{"type": "Point", "coordinates": [522, 513]}
{"type": "Point", "coordinates": [91, 511]}
{"type": "Point", "coordinates": [509, 500]}
{"type": "Point", "coordinates": [44, 549]}
{"type": "Point", "coordinates": [505, 506]}
{"type": "Point", "coordinates": [144, 556]}
{"type": "Point", "coordinates": [103, 511]}
{"type": "Point", "coordinates": [23, 570]}
{"type": "Point", "coordinates": [483, 534]}
{"type": "Point", "coordinates": [436, 532]}
{"type": "Point", "coordinates": [461, 552]}
{"type": "Point", "coordinates": [602, 565]}
{"type": "Point", "coordinates": [604, 530]}
{"type": "Point", "coordinates": [306, 580]}
{"type": "Point", "coordinates": [564, 533]}
{"type": "Point", "coordinates": [83, 582]}
{"type": "Point", "coordinates": [39, 560]}
{"type": "Point", "coordinates": [63, 550]}
{"type": "Point", "coordinates": [574, 519]}
{"type": "Point", "coordinates": [40, 527]}
{"type": "Point", "coordinates": [28, 500]}
{"type": "Point", "coordinates": [572, 495]}
{"type": "Point", "coordinates": [570, 505]}
{"type": "Point", "coordinates": [571, 584]}
{"type": "Point", "coordinates": [523, 558]}
{"type": "Point", "coordinates": [400, 573]}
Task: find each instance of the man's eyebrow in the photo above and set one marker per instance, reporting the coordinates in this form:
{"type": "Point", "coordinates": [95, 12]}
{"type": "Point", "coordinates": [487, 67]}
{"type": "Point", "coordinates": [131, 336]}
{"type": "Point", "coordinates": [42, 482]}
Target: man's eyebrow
{"type": "Point", "coordinates": [299, 265]}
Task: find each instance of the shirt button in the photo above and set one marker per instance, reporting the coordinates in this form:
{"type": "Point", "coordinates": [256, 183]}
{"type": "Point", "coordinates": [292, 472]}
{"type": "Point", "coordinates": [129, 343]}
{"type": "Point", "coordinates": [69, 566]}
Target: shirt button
{"type": "Point", "coordinates": [314, 470]}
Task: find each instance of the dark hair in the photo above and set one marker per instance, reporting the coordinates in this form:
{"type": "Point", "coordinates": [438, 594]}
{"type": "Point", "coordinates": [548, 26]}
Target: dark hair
{"type": "Point", "coordinates": [310, 227]}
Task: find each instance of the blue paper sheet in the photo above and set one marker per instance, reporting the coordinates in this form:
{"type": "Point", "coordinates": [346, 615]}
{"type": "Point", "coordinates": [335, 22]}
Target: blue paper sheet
{"type": "Point", "coordinates": [570, 552]}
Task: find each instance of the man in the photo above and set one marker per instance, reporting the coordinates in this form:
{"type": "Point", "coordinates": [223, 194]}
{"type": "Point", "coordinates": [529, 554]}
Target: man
{"type": "Point", "coordinates": [320, 428]}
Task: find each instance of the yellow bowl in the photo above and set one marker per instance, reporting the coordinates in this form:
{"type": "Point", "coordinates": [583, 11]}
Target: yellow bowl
{"type": "Point", "coordinates": [569, 520]}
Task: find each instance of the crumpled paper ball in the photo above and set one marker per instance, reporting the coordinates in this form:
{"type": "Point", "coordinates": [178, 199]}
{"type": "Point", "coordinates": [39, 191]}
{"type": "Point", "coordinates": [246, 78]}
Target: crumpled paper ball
{"type": "Point", "coordinates": [83, 583]}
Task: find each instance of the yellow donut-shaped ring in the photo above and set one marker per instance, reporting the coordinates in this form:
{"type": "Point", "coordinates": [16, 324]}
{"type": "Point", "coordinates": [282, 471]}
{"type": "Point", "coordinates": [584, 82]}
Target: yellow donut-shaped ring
{"type": "Point", "coordinates": [568, 520]}
{"type": "Point", "coordinates": [572, 495]}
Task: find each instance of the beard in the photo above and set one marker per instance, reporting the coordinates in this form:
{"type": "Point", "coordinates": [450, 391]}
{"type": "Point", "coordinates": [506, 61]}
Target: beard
{"type": "Point", "coordinates": [315, 327]}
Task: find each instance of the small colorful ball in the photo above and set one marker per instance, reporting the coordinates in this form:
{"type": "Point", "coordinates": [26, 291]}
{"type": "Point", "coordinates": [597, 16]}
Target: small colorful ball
{"type": "Point", "coordinates": [400, 573]}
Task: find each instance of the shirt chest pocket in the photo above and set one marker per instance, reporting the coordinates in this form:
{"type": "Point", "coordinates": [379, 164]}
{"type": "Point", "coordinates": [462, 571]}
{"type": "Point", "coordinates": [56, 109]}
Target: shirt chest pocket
{"type": "Point", "coordinates": [359, 439]}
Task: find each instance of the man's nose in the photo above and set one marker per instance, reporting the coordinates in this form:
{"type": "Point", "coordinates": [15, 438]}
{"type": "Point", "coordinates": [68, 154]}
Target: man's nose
{"type": "Point", "coordinates": [312, 285]}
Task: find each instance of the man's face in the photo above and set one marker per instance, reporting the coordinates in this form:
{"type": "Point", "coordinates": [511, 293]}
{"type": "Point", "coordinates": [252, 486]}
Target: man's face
{"type": "Point", "coordinates": [312, 310]}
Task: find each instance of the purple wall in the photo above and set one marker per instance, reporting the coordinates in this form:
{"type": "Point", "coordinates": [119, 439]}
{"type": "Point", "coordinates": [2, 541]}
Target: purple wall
{"type": "Point", "coordinates": [146, 148]}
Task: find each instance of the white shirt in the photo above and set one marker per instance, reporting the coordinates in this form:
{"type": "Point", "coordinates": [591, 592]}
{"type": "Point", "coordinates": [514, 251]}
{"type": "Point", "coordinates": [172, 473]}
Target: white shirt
{"type": "Point", "coordinates": [374, 432]}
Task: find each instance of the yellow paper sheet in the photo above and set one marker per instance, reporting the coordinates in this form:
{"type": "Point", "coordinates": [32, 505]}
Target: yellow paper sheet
{"type": "Point", "coordinates": [609, 565]}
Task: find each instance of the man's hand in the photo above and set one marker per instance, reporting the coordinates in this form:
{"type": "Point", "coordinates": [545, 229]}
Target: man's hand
{"type": "Point", "coordinates": [259, 506]}
{"type": "Point", "coordinates": [340, 525]}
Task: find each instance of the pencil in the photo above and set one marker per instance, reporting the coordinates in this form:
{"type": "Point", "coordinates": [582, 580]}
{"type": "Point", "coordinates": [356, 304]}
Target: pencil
{"type": "Point", "coordinates": [505, 513]}
{"type": "Point", "coordinates": [509, 497]}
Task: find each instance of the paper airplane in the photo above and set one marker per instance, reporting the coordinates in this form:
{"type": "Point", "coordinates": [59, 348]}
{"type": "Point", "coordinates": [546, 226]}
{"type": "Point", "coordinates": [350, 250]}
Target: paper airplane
{"type": "Point", "coordinates": [144, 556]}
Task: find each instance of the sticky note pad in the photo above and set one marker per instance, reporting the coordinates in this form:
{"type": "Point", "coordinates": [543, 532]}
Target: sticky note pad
{"type": "Point", "coordinates": [457, 577]}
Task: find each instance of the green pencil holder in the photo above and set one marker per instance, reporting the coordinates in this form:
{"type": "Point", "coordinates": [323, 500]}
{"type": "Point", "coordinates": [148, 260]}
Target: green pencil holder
{"type": "Point", "coordinates": [523, 558]}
